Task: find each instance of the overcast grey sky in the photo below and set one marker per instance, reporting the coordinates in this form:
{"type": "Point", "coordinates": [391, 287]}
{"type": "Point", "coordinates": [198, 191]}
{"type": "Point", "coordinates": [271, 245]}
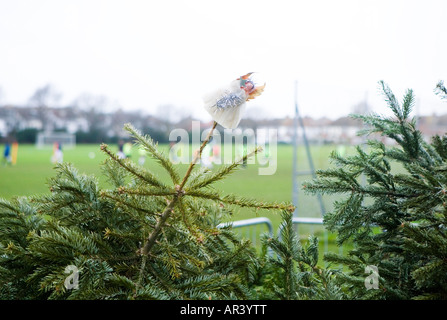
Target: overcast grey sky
{"type": "Point", "coordinates": [146, 54]}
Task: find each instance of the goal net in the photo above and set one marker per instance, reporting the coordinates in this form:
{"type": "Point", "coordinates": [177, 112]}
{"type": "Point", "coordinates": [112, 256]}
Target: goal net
{"type": "Point", "coordinates": [49, 139]}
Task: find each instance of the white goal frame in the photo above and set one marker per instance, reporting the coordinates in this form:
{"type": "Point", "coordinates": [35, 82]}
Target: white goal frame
{"type": "Point", "coordinates": [48, 139]}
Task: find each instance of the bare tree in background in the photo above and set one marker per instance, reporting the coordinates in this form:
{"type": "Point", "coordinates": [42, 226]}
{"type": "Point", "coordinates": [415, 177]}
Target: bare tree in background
{"type": "Point", "coordinates": [88, 101]}
{"type": "Point", "coordinates": [94, 107]}
{"type": "Point", "coordinates": [42, 99]}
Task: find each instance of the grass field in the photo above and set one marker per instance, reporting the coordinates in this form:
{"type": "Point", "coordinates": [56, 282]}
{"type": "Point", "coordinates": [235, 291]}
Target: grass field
{"type": "Point", "coordinates": [33, 168]}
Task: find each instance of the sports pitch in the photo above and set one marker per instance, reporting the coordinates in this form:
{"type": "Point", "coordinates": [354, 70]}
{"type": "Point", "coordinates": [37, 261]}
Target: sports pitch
{"type": "Point", "coordinates": [34, 166]}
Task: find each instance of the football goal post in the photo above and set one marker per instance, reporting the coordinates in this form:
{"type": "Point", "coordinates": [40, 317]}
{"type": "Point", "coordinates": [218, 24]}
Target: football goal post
{"type": "Point", "coordinates": [48, 139]}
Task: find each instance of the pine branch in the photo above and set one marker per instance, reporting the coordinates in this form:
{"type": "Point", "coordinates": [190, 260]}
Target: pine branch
{"type": "Point", "coordinates": [115, 174]}
{"type": "Point", "coordinates": [221, 173]}
{"type": "Point", "coordinates": [441, 90]}
{"type": "Point", "coordinates": [300, 277]}
{"type": "Point", "coordinates": [139, 172]}
{"type": "Point", "coordinates": [390, 98]}
{"type": "Point", "coordinates": [168, 210]}
{"type": "Point", "coordinates": [197, 157]}
{"type": "Point", "coordinates": [130, 204]}
{"type": "Point", "coordinates": [146, 191]}
{"type": "Point", "coordinates": [151, 147]}
{"type": "Point", "coordinates": [289, 250]}
{"type": "Point", "coordinates": [240, 201]}
{"type": "Point", "coordinates": [408, 104]}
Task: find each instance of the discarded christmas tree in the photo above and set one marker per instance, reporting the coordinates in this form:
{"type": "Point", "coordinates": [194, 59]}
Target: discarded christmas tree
{"type": "Point", "coordinates": [143, 239]}
{"type": "Point", "coordinates": [397, 220]}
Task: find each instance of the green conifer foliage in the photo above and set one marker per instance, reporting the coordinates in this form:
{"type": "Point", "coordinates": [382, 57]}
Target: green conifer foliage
{"type": "Point", "coordinates": [292, 272]}
{"type": "Point", "coordinates": [143, 239]}
{"type": "Point", "coordinates": [397, 219]}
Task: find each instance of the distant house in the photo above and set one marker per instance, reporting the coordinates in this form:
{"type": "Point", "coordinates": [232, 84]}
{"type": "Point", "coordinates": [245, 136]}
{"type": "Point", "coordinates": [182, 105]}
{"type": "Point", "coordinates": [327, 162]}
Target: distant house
{"type": "Point", "coordinates": [321, 130]}
{"type": "Point", "coordinates": [72, 119]}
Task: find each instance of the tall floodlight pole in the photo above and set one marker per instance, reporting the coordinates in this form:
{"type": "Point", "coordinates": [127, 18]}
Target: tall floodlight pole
{"type": "Point", "coordinates": [299, 121]}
